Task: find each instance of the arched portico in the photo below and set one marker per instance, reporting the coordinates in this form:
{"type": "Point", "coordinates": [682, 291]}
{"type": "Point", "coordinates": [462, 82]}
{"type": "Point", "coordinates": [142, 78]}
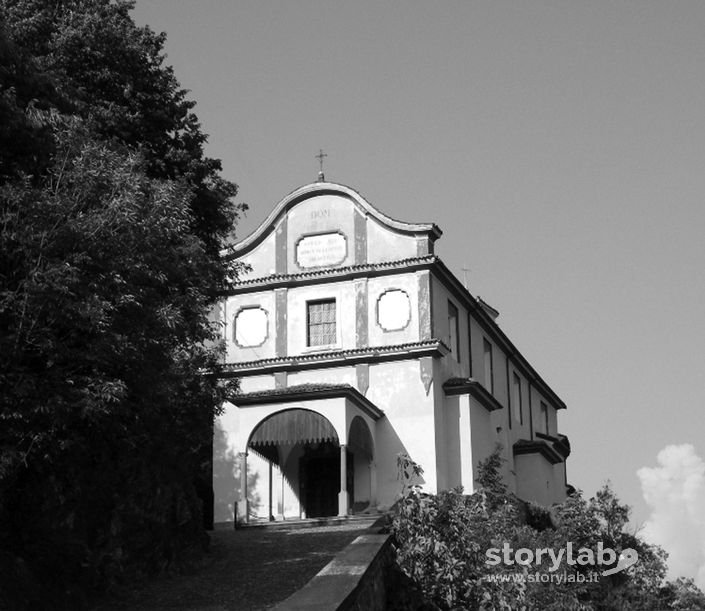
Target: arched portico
{"type": "Point", "coordinates": [314, 446]}
{"type": "Point", "coordinates": [302, 445]}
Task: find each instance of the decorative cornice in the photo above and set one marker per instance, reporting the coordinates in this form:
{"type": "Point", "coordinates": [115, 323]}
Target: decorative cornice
{"type": "Point", "coordinates": [470, 386]}
{"type": "Point", "coordinates": [308, 392]}
{"type": "Point", "coordinates": [527, 446]}
{"type": "Point", "coordinates": [564, 443]}
{"type": "Point", "coordinates": [336, 358]}
{"type": "Point", "coordinates": [329, 188]}
{"type": "Point", "coordinates": [319, 276]}
{"type": "Point", "coordinates": [560, 443]}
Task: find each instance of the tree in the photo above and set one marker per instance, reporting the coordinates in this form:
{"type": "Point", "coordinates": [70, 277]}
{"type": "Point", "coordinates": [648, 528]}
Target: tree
{"type": "Point", "coordinates": [25, 144]}
{"type": "Point", "coordinates": [113, 74]}
{"type": "Point", "coordinates": [683, 595]}
{"type": "Point", "coordinates": [112, 224]}
{"type": "Point", "coordinates": [105, 408]}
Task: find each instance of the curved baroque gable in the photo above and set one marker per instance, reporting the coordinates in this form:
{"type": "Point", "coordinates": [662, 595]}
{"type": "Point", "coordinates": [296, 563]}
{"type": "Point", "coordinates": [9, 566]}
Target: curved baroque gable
{"type": "Point", "coordinates": [326, 225]}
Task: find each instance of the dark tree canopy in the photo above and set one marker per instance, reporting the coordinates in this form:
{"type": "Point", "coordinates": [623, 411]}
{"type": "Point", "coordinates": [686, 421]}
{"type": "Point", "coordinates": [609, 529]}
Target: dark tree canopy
{"type": "Point", "coordinates": [113, 74]}
{"type": "Point", "coordinates": [112, 221]}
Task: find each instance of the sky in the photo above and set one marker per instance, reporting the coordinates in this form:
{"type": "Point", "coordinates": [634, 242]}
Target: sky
{"type": "Point", "coordinates": [559, 146]}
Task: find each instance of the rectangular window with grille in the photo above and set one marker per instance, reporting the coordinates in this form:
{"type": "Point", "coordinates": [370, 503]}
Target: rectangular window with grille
{"type": "Point", "coordinates": [320, 321]}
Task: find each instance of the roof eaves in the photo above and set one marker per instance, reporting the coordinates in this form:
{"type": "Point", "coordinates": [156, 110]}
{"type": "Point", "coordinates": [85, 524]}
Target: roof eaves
{"type": "Point", "coordinates": [527, 446]}
{"type": "Point", "coordinates": [462, 386]}
{"type": "Point", "coordinates": [309, 392]}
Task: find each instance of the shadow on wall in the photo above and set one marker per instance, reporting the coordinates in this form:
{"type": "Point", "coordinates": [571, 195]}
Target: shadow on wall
{"type": "Point", "coordinates": [391, 480]}
{"type": "Point", "coordinates": [226, 479]}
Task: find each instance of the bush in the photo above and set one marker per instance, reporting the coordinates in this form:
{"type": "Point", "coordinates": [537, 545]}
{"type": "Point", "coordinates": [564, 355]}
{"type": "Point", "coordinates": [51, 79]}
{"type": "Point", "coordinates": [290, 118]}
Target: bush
{"type": "Point", "coordinates": [442, 542]}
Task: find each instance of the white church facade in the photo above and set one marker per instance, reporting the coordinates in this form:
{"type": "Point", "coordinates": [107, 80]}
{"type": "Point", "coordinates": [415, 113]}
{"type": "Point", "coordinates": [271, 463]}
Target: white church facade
{"type": "Point", "coordinates": [353, 343]}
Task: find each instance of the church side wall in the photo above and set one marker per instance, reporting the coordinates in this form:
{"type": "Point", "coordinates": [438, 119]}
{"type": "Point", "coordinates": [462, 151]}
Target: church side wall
{"type": "Point", "coordinates": [519, 419]}
{"type": "Point", "coordinates": [537, 480]}
{"type": "Point", "coordinates": [408, 419]}
{"type": "Point", "coordinates": [484, 437]}
{"type": "Point", "coordinates": [462, 449]}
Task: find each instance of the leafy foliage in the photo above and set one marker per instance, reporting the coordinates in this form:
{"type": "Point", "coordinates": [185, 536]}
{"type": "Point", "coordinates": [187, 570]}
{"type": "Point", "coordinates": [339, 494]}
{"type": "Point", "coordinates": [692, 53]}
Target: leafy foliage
{"type": "Point", "coordinates": [96, 63]}
{"type": "Point", "coordinates": [442, 543]}
{"type": "Point", "coordinates": [105, 411]}
{"type": "Point", "coordinates": [408, 471]}
{"type": "Point", "coordinates": [683, 595]}
{"type": "Point", "coordinates": [111, 227]}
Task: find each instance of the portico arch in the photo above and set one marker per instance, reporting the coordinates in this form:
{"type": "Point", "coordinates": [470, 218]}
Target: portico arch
{"type": "Point", "coordinates": [297, 438]}
{"type": "Point", "coordinates": [363, 484]}
{"type": "Point", "coordinates": [360, 437]}
{"type": "Point", "coordinates": [302, 447]}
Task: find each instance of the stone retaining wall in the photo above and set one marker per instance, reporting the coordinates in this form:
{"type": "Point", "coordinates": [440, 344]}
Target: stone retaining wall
{"type": "Point", "coordinates": [355, 580]}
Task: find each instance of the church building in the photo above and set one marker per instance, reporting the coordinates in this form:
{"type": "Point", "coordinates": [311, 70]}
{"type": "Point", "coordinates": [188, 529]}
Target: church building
{"type": "Point", "coordinates": [354, 344]}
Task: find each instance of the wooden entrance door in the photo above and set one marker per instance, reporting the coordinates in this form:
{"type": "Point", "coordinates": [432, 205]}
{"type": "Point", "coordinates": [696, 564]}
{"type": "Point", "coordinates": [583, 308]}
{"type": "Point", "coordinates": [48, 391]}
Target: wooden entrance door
{"type": "Point", "coordinates": [320, 480]}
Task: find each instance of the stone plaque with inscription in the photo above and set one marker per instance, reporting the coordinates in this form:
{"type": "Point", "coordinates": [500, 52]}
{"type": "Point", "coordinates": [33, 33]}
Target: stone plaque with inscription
{"type": "Point", "coordinates": [321, 250]}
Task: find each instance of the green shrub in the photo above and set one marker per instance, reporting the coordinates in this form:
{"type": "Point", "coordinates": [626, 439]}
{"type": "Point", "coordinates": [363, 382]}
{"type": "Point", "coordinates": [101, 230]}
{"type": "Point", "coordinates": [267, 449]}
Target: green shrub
{"type": "Point", "coordinates": [441, 543]}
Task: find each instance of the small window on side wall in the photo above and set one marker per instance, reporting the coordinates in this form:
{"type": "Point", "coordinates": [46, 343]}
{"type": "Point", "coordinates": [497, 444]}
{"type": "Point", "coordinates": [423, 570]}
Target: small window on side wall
{"type": "Point", "coordinates": [321, 323]}
{"type": "Point", "coordinates": [516, 400]}
{"type": "Point", "coordinates": [489, 366]}
{"type": "Point", "coordinates": [453, 331]}
{"type": "Point", "coordinates": [544, 419]}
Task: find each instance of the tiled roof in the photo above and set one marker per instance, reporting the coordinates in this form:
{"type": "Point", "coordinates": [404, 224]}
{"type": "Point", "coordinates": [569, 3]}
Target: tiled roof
{"type": "Point", "coordinates": [307, 392]}
{"type": "Point", "coordinates": [287, 390]}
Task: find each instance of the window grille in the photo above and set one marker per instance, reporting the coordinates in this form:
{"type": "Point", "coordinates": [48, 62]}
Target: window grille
{"type": "Point", "coordinates": [321, 323]}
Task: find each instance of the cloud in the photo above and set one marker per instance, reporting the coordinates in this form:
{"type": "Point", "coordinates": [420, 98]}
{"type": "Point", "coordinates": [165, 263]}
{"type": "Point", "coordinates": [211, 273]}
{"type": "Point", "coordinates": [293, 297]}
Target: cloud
{"type": "Point", "coordinates": [675, 492]}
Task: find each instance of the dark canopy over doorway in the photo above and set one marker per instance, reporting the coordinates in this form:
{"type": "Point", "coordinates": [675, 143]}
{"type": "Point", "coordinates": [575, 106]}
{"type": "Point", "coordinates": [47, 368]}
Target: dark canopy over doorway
{"type": "Point", "coordinates": [318, 465]}
{"type": "Point", "coordinates": [293, 426]}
